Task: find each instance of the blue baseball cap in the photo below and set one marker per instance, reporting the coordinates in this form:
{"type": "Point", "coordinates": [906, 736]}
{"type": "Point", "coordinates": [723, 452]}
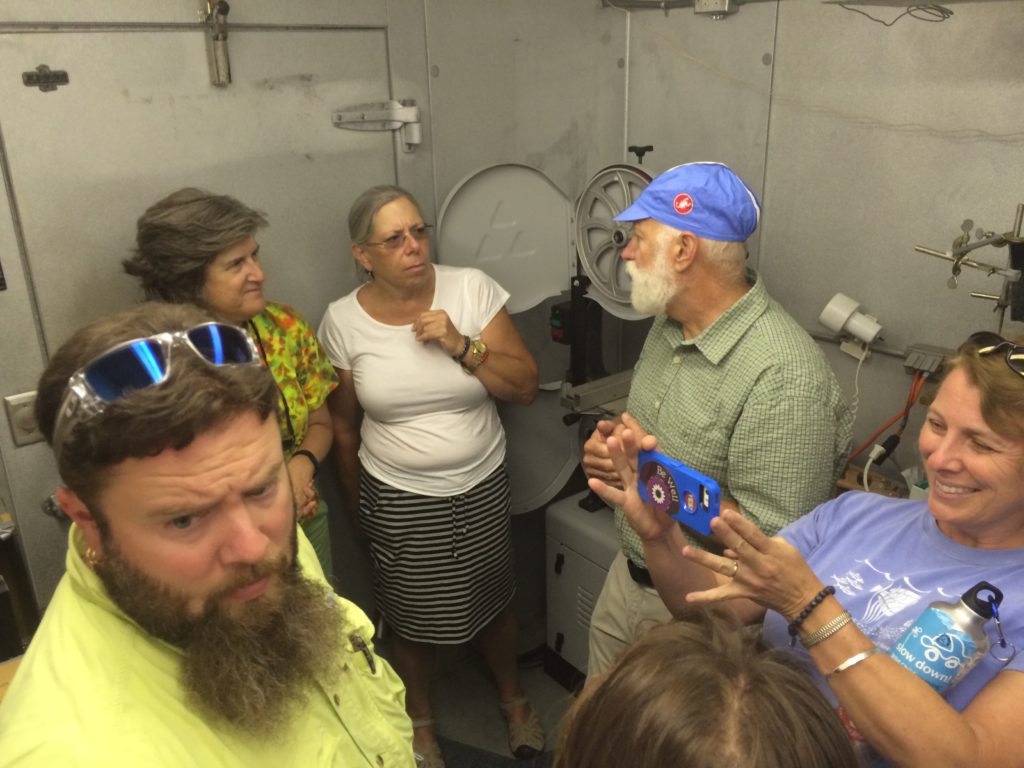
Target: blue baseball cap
{"type": "Point", "coordinates": [707, 199]}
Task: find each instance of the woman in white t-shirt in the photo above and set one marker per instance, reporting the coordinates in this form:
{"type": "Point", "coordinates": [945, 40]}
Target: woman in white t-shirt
{"type": "Point", "coordinates": [422, 351]}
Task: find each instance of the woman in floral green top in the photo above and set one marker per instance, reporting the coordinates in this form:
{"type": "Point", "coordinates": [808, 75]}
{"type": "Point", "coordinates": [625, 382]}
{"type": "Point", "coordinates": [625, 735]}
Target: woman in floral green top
{"type": "Point", "coordinates": [196, 247]}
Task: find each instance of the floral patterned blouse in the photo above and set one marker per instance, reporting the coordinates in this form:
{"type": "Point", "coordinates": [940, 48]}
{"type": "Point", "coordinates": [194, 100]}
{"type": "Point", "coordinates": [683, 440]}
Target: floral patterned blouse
{"type": "Point", "coordinates": [303, 374]}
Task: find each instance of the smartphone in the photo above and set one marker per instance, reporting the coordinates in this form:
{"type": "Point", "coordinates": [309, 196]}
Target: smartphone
{"type": "Point", "coordinates": [678, 490]}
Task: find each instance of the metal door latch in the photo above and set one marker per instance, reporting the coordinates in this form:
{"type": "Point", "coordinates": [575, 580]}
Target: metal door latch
{"type": "Point", "coordinates": [402, 116]}
{"type": "Point", "coordinates": [44, 78]}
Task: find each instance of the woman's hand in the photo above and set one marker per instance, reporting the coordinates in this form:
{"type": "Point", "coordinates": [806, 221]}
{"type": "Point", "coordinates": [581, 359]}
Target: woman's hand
{"type": "Point", "coordinates": [435, 325]}
{"type": "Point", "coordinates": [769, 571]}
{"type": "Point", "coordinates": [300, 472]}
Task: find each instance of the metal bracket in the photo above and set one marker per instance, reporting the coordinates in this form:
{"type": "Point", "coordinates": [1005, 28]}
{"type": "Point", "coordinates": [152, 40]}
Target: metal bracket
{"type": "Point", "coordinates": [608, 393]}
{"type": "Point", "coordinates": [44, 78]}
{"type": "Point", "coordinates": [217, 43]}
{"type": "Point", "coordinates": [402, 116]}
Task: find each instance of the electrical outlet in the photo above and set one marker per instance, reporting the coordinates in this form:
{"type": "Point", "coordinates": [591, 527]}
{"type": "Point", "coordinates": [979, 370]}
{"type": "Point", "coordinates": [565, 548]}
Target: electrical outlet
{"type": "Point", "coordinates": [22, 418]}
{"type": "Point", "coordinates": [925, 358]}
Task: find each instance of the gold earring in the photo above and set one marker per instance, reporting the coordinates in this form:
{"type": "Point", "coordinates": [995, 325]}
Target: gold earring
{"type": "Point", "coordinates": [91, 558]}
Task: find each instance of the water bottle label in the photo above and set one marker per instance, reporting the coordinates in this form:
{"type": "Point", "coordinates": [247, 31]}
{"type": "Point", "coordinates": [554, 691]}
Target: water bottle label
{"type": "Point", "coordinates": [935, 649]}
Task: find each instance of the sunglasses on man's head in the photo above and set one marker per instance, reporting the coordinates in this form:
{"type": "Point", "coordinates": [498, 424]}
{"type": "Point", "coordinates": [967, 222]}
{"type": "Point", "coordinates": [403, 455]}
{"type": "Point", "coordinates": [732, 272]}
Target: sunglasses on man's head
{"type": "Point", "coordinates": [988, 343]}
{"type": "Point", "coordinates": [146, 362]}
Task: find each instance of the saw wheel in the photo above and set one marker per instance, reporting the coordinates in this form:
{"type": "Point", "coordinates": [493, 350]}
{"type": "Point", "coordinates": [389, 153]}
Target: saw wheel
{"type": "Point", "coordinates": [600, 239]}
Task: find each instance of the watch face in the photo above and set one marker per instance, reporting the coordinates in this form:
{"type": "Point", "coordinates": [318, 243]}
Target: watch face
{"type": "Point", "coordinates": [478, 353]}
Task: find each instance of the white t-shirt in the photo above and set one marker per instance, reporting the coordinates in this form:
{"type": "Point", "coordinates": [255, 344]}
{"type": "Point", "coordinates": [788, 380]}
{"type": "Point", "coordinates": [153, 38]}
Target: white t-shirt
{"type": "Point", "coordinates": [428, 426]}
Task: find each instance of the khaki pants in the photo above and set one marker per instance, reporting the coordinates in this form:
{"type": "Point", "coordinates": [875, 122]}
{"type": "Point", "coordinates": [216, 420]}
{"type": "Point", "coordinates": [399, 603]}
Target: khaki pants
{"type": "Point", "coordinates": [624, 611]}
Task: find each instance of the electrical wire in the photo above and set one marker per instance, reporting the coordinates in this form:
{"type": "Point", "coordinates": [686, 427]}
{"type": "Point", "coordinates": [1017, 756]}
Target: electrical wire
{"type": "Point", "coordinates": [915, 390]}
{"type": "Point", "coordinates": [930, 13]}
{"type": "Point", "coordinates": [867, 470]}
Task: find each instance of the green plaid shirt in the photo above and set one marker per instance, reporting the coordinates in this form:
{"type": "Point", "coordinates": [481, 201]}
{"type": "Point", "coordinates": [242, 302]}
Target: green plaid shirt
{"type": "Point", "coordinates": [752, 402]}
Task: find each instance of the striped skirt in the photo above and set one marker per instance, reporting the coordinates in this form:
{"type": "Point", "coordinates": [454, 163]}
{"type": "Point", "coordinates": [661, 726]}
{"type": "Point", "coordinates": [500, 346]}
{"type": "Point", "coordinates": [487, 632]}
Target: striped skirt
{"type": "Point", "coordinates": [442, 566]}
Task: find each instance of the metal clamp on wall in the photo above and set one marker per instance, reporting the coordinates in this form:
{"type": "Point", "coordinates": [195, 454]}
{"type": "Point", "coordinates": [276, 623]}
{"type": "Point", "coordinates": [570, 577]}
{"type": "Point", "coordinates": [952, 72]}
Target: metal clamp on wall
{"type": "Point", "coordinates": [217, 43]}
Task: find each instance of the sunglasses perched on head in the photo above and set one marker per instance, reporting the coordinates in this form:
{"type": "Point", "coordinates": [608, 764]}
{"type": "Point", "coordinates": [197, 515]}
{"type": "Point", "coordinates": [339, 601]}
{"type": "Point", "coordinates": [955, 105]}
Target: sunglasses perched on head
{"type": "Point", "coordinates": [142, 363]}
{"type": "Point", "coordinates": [988, 343]}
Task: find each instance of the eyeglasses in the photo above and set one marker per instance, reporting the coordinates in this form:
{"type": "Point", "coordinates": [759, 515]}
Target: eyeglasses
{"type": "Point", "coordinates": [142, 363]}
{"type": "Point", "coordinates": [988, 343]}
{"type": "Point", "coordinates": [419, 233]}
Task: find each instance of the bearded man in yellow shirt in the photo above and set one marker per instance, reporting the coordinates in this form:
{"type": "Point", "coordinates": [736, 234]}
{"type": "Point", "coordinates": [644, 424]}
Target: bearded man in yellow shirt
{"type": "Point", "coordinates": [194, 625]}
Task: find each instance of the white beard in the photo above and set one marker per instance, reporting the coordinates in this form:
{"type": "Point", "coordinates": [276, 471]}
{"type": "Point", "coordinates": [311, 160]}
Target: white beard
{"type": "Point", "coordinates": [652, 289]}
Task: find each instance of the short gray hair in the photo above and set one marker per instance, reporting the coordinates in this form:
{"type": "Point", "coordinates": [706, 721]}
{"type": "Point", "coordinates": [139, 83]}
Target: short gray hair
{"type": "Point", "coordinates": [365, 207]}
{"type": "Point", "coordinates": [728, 258]}
{"type": "Point", "coordinates": [179, 236]}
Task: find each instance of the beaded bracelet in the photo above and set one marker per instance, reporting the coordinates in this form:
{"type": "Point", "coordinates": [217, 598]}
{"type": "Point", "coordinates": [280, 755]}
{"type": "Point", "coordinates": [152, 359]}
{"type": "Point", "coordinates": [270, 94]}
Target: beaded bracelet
{"type": "Point", "coordinates": [465, 348]}
{"type": "Point", "coordinates": [854, 660]}
{"type": "Point", "coordinates": [826, 631]}
{"type": "Point", "coordinates": [794, 626]}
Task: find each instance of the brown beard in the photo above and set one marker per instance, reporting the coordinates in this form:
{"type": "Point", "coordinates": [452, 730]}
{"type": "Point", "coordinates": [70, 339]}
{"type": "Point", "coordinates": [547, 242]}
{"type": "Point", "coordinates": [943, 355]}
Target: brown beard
{"type": "Point", "coordinates": [251, 666]}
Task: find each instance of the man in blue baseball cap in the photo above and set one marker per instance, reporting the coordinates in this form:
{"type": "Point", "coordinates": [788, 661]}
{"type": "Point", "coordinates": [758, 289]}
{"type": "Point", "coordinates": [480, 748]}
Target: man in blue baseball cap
{"type": "Point", "coordinates": [729, 383]}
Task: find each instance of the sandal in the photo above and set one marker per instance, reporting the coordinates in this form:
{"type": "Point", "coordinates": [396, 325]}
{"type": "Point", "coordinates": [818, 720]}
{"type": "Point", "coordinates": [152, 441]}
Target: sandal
{"type": "Point", "coordinates": [525, 739]}
{"type": "Point", "coordinates": [428, 756]}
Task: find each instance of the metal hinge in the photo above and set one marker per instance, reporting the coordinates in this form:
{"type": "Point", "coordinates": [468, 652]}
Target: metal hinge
{"type": "Point", "coordinates": [402, 116]}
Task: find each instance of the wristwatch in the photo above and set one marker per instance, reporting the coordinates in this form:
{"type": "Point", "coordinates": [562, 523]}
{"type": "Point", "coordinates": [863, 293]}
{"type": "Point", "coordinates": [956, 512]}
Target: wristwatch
{"type": "Point", "coordinates": [477, 354]}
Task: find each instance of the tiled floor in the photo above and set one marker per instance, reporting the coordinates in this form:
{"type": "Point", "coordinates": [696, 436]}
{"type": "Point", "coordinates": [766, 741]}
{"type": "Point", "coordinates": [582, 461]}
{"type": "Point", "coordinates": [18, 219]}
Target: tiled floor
{"type": "Point", "coordinates": [466, 706]}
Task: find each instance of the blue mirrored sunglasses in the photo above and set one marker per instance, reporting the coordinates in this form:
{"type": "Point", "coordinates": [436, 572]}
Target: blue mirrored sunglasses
{"type": "Point", "coordinates": [145, 362]}
{"type": "Point", "coordinates": [988, 343]}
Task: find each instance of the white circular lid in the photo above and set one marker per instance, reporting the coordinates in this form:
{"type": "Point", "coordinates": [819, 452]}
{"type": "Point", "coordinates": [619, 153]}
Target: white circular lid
{"type": "Point", "coordinates": [513, 223]}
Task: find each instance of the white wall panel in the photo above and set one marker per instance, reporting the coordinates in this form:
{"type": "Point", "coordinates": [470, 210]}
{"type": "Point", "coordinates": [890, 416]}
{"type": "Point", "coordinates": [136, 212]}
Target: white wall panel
{"type": "Point", "coordinates": [699, 88]}
{"type": "Point", "coordinates": [531, 82]}
{"type": "Point", "coordinates": [883, 138]}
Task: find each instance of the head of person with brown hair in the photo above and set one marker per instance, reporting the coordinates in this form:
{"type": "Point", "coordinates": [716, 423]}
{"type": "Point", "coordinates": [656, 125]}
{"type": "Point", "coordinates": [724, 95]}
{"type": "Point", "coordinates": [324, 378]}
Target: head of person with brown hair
{"type": "Point", "coordinates": [996, 367]}
{"type": "Point", "coordinates": [703, 693]}
{"type": "Point", "coordinates": [193, 246]}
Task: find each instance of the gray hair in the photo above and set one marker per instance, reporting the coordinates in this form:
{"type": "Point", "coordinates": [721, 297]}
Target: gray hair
{"type": "Point", "coordinates": [364, 209]}
{"type": "Point", "coordinates": [179, 236]}
{"type": "Point", "coordinates": [728, 258]}
{"type": "Point", "coordinates": [196, 397]}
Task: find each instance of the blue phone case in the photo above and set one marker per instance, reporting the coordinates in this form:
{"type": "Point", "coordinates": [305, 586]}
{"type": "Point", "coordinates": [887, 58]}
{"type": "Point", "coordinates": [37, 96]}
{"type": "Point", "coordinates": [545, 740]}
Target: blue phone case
{"type": "Point", "coordinates": [674, 488]}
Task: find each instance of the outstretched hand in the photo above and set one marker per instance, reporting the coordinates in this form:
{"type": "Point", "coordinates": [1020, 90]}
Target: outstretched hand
{"type": "Point", "coordinates": [768, 570]}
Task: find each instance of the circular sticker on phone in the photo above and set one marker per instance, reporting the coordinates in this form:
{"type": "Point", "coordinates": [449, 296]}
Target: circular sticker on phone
{"type": "Point", "coordinates": [661, 488]}
{"type": "Point", "coordinates": [690, 502]}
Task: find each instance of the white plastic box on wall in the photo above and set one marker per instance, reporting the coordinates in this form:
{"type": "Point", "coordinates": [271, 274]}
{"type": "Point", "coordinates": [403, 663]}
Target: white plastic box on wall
{"type": "Point", "coordinates": [579, 546]}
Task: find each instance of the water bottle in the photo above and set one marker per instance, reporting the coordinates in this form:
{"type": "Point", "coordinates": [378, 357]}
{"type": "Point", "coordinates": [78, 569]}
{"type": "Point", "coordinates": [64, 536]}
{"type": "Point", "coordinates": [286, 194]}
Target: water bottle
{"type": "Point", "coordinates": [948, 639]}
